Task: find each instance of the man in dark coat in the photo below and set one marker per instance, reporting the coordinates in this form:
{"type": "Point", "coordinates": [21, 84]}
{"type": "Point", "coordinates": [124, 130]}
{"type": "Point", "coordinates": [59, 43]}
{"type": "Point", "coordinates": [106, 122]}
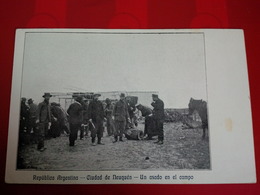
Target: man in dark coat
{"type": "Point", "coordinates": [158, 116]}
{"type": "Point", "coordinates": [44, 120]}
{"type": "Point", "coordinates": [121, 117]}
{"type": "Point", "coordinates": [75, 112]}
{"type": "Point", "coordinates": [54, 128]}
{"type": "Point", "coordinates": [84, 127]}
{"type": "Point", "coordinates": [96, 119]}
{"type": "Point", "coordinates": [109, 113]}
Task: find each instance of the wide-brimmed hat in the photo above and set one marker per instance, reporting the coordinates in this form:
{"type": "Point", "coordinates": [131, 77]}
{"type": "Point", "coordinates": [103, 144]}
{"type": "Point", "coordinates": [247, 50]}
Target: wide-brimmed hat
{"type": "Point", "coordinates": [47, 95]}
{"type": "Point", "coordinates": [79, 98]}
{"type": "Point", "coordinates": [30, 100]}
{"type": "Point", "coordinates": [23, 99]}
{"type": "Point", "coordinates": [122, 95]}
{"type": "Point", "coordinates": [155, 95]}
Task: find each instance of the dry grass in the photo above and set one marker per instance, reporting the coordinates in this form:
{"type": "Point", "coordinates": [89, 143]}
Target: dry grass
{"type": "Point", "coordinates": [182, 149]}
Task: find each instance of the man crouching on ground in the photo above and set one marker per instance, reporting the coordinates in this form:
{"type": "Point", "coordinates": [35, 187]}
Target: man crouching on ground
{"type": "Point", "coordinates": [96, 119]}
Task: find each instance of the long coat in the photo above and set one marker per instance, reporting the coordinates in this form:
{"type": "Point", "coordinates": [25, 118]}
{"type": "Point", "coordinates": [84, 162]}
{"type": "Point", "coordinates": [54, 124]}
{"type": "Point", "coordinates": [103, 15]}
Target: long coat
{"type": "Point", "coordinates": [121, 111]}
{"type": "Point", "coordinates": [109, 110]}
{"type": "Point", "coordinates": [44, 112]}
{"type": "Point", "coordinates": [75, 112]}
{"type": "Point", "coordinates": [158, 109]}
{"type": "Point", "coordinates": [24, 110]}
{"type": "Point", "coordinates": [96, 111]}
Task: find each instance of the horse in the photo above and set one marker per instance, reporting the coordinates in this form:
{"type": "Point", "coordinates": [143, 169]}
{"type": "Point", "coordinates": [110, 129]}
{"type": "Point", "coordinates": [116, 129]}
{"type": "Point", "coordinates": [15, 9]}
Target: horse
{"type": "Point", "coordinates": [201, 107]}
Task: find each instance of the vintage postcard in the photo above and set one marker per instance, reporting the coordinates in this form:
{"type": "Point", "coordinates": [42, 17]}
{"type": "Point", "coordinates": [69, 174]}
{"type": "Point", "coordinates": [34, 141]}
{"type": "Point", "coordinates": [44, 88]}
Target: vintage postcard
{"type": "Point", "coordinates": [92, 106]}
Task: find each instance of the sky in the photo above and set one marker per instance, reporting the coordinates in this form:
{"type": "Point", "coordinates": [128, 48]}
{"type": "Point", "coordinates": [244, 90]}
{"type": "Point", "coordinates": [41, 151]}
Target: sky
{"type": "Point", "coordinates": [172, 64]}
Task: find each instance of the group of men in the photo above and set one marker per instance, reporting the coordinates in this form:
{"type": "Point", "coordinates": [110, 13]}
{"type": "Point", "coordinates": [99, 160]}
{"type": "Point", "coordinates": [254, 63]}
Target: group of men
{"type": "Point", "coordinates": [116, 117]}
{"type": "Point", "coordinates": [38, 119]}
{"type": "Point", "coordinates": [93, 115]}
{"type": "Point", "coordinates": [28, 116]}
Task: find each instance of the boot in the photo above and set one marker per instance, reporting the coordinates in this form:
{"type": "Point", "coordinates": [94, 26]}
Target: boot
{"type": "Point", "coordinates": [157, 141]}
{"type": "Point", "coordinates": [160, 142]}
{"type": "Point", "coordinates": [121, 139]}
{"type": "Point", "coordinates": [42, 149]}
{"type": "Point", "coordinates": [99, 141]}
{"type": "Point", "coordinates": [148, 138]}
{"type": "Point", "coordinates": [40, 145]}
{"type": "Point", "coordinates": [116, 138]}
{"type": "Point", "coordinates": [72, 143]}
{"type": "Point", "coordinates": [93, 141]}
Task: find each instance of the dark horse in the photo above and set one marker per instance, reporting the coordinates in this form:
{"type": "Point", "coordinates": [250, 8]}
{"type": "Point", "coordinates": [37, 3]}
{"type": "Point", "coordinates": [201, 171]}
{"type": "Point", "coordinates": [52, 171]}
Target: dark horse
{"type": "Point", "coordinates": [201, 107]}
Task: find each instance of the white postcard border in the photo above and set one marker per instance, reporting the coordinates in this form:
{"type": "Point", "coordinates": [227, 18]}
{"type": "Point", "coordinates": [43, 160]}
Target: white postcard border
{"type": "Point", "coordinates": [232, 150]}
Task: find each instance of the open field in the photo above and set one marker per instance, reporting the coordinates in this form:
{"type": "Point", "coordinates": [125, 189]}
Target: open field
{"type": "Point", "coordinates": [182, 149]}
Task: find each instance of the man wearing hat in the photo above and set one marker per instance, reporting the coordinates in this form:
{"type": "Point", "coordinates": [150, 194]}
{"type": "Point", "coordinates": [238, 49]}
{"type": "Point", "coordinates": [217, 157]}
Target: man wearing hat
{"type": "Point", "coordinates": [121, 117]}
{"type": "Point", "coordinates": [75, 112]}
{"type": "Point", "coordinates": [96, 116]}
{"type": "Point", "coordinates": [158, 116]}
{"type": "Point", "coordinates": [43, 119]}
{"type": "Point", "coordinates": [32, 116]}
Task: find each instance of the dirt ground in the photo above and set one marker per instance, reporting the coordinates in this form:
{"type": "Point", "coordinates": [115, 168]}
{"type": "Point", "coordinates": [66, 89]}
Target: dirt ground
{"type": "Point", "coordinates": [182, 149]}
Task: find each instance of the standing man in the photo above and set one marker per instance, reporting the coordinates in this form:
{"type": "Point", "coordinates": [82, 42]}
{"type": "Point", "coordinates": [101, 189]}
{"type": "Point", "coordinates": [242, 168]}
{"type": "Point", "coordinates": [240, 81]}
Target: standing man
{"type": "Point", "coordinates": [158, 116]}
{"type": "Point", "coordinates": [75, 112]}
{"type": "Point", "coordinates": [32, 116]}
{"type": "Point", "coordinates": [44, 120]}
{"type": "Point", "coordinates": [96, 119]}
{"type": "Point", "coordinates": [121, 117]}
{"type": "Point", "coordinates": [24, 116]}
{"type": "Point", "coordinates": [109, 114]}
{"type": "Point", "coordinates": [83, 128]}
